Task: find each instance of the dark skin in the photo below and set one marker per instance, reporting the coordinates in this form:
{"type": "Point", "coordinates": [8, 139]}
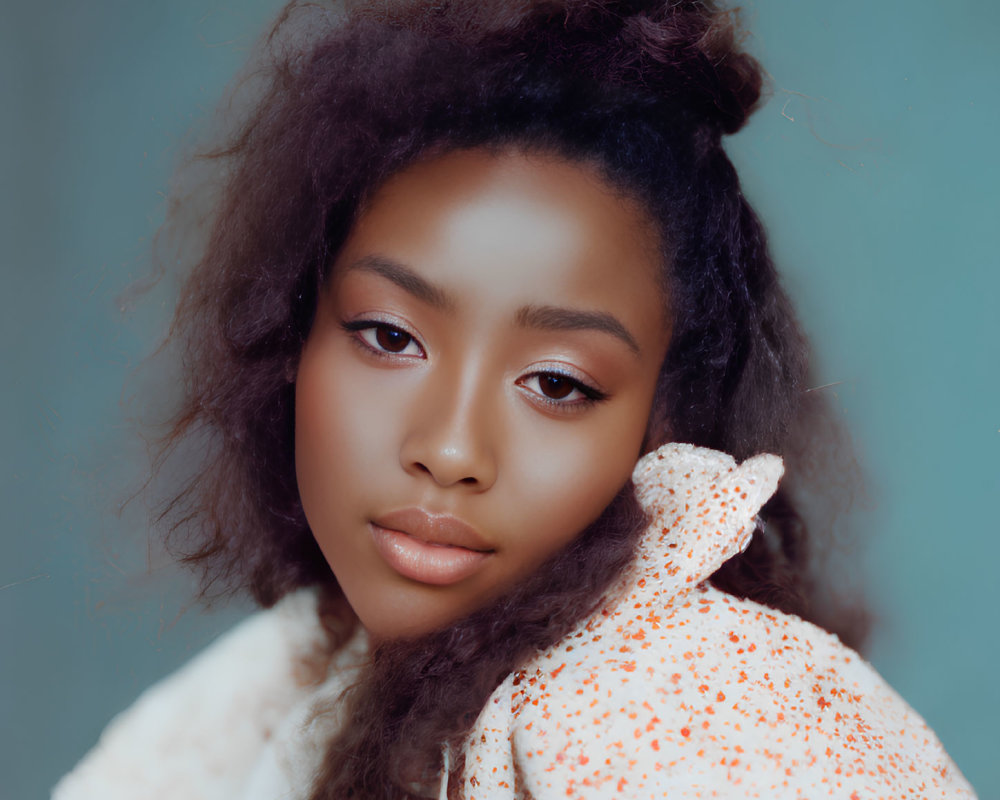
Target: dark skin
{"type": "Point", "coordinates": [477, 383]}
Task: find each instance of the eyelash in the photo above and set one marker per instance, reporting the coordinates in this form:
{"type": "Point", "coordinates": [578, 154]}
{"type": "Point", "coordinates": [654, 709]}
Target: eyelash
{"type": "Point", "coordinates": [591, 395]}
{"type": "Point", "coordinates": [357, 327]}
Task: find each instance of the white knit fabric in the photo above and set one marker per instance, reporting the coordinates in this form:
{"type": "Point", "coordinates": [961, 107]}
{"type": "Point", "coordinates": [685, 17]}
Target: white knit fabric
{"type": "Point", "coordinates": [236, 722]}
{"type": "Point", "coordinates": [671, 688]}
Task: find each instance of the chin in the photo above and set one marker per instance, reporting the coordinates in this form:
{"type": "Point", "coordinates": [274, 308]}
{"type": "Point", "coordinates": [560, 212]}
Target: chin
{"type": "Point", "coordinates": [385, 625]}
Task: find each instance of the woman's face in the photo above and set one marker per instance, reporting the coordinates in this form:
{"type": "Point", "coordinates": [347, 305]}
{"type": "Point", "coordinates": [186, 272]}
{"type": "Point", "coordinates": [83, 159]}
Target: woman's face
{"type": "Point", "coordinates": [476, 385]}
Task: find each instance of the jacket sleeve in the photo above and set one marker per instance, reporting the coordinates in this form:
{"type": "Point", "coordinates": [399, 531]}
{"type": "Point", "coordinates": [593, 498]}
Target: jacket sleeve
{"type": "Point", "coordinates": [795, 714]}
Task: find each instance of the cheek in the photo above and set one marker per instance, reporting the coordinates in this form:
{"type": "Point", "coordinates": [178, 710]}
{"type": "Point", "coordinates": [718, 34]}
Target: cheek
{"type": "Point", "coordinates": [340, 442]}
{"type": "Point", "coordinates": [570, 476]}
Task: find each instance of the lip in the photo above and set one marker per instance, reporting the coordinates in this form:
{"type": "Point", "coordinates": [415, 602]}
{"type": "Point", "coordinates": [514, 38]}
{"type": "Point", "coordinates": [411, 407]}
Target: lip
{"type": "Point", "coordinates": [436, 549]}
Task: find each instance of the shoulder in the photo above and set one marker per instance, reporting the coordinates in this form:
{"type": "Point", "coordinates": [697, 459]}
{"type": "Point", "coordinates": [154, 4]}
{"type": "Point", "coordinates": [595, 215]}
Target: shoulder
{"type": "Point", "coordinates": [672, 687]}
{"type": "Point", "coordinates": [197, 733]}
{"type": "Point", "coordinates": [717, 696]}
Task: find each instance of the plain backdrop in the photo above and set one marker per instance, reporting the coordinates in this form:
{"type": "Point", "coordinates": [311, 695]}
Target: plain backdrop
{"type": "Point", "coordinates": [874, 166]}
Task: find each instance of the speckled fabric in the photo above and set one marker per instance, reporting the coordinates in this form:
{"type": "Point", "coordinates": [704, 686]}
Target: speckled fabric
{"type": "Point", "coordinates": [671, 689]}
{"type": "Point", "coordinates": [676, 689]}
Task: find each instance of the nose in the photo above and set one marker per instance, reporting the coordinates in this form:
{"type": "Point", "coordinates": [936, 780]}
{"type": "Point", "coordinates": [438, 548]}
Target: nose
{"type": "Point", "coordinates": [452, 431]}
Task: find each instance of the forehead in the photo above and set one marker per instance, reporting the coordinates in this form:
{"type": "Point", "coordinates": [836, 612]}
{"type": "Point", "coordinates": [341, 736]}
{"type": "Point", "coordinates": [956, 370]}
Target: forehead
{"type": "Point", "coordinates": [519, 228]}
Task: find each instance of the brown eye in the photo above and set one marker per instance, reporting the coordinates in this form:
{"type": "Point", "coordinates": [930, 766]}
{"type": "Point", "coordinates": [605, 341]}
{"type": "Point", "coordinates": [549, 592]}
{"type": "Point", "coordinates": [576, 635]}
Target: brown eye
{"type": "Point", "coordinates": [556, 391]}
{"type": "Point", "coordinates": [392, 340]}
{"type": "Point", "coordinates": [555, 386]}
{"type": "Point", "coordinates": [384, 339]}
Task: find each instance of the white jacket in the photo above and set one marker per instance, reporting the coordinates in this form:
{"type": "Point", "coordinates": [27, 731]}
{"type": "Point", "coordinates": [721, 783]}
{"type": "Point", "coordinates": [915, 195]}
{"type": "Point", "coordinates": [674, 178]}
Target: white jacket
{"type": "Point", "coordinates": [672, 688]}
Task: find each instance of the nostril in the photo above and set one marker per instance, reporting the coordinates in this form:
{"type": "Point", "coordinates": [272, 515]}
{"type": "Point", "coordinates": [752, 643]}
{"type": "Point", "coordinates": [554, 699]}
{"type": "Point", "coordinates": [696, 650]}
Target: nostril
{"type": "Point", "coordinates": [469, 480]}
{"type": "Point", "coordinates": [449, 466]}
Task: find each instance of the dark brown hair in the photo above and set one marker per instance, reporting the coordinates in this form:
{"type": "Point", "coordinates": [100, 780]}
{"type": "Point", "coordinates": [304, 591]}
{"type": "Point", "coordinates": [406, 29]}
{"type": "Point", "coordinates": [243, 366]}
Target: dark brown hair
{"type": "Point", "coordinates": [645, 90]}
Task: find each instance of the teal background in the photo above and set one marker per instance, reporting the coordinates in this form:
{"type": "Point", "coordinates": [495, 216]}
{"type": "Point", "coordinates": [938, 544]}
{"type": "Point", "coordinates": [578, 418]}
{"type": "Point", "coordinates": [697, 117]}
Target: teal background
{"type": "Point", "coordinates": [874, 165]}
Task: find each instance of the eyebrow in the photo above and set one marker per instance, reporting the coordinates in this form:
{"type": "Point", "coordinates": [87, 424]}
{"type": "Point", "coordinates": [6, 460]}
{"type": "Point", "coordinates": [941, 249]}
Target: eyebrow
{"type": "Point", "coordinates": [549, 318]}
{"type": "Point", "coordinates": [554, 318]}
{"type": "Point", "coordinates": [406, 279]}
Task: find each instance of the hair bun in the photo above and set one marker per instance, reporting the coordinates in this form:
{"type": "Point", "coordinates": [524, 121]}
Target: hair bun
{"type": "Point", "coordinates": [685, 51]}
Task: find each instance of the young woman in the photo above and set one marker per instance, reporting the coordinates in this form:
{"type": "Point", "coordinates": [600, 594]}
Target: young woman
{"type": "Point", "coordinates": [470, 261]}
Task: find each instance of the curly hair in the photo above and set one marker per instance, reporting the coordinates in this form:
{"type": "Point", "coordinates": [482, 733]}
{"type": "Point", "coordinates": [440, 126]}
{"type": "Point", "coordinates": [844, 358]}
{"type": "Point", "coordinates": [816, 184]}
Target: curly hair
{"type": "Point", "coordinates": [644, 89]}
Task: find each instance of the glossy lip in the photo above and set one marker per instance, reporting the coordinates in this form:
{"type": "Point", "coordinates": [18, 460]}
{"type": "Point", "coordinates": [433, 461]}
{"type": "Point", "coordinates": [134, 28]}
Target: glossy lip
{"type": "Point", "coordinates": [436, 549]}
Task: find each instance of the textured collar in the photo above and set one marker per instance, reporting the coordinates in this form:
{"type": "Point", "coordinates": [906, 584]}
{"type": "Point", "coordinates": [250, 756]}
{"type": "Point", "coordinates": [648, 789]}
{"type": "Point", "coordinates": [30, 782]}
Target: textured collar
{"type": "Point", "coordinates": [702, 508]}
